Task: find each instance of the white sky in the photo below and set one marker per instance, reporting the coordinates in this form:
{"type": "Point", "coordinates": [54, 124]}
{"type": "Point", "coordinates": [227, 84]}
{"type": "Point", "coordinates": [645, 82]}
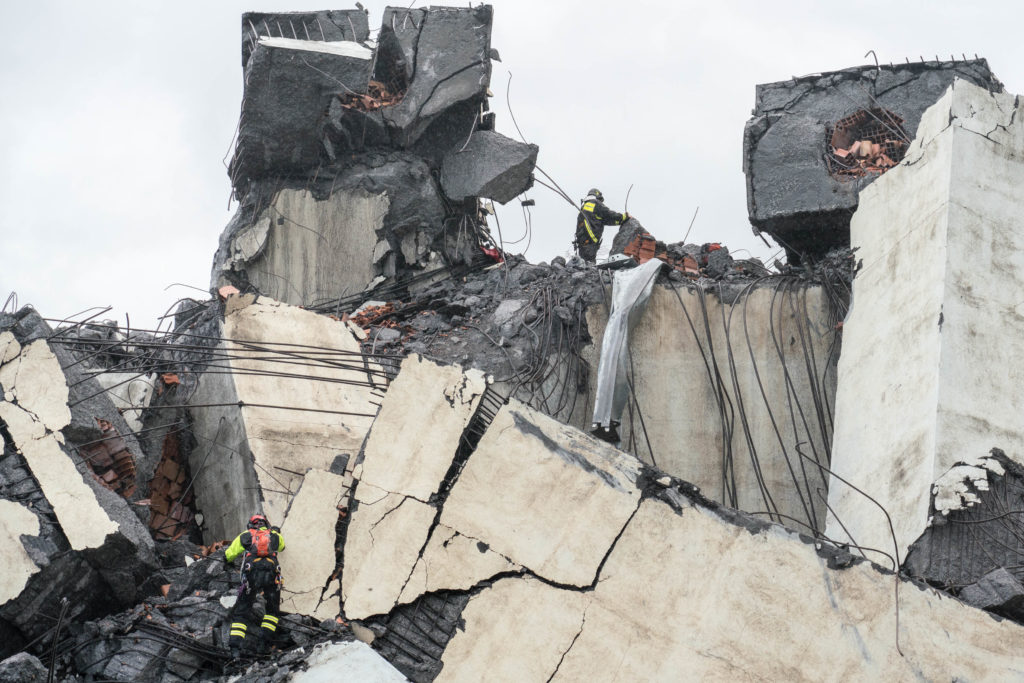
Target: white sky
{"type": "Point", "coordinates": [116, 116]}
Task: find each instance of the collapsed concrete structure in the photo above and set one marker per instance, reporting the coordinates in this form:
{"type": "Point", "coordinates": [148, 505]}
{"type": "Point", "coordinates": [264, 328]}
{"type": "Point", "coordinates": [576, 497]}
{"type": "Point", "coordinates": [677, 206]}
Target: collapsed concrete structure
{"type": "Point", "coordinates": [414, 416]}
{"type": "Point", "coordinates": [359, 164]}
{"type": "Point", "coordinates": [814, 143]}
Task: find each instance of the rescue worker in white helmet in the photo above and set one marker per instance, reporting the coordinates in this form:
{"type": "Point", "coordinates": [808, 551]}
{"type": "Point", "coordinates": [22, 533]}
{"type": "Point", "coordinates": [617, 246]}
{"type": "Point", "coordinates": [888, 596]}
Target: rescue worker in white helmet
{"type": "Point", "coordinates": [590, 221]}
{"type": "Point", "coordinates": [260, 574]}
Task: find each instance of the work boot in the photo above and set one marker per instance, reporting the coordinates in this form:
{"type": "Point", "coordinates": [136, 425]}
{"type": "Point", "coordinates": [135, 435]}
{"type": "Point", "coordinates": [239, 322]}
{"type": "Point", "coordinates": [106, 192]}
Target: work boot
{"type": "Point", "coordinates": [235, 654]}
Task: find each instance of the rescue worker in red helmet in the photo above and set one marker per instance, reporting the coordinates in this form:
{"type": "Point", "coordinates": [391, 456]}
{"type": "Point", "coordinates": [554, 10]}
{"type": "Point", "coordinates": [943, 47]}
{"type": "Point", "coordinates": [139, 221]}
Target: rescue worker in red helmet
{"type": "Point", "coordinates": [590, 221]}
{"type": "Point", "coordinates": [260, 574]}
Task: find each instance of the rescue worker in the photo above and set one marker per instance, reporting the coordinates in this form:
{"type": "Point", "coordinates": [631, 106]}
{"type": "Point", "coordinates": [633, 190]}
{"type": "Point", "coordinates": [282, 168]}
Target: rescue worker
{"type": "Point", "coordinates": [260, 573]}
{"type": "Point", "coordinates": [590, 222]}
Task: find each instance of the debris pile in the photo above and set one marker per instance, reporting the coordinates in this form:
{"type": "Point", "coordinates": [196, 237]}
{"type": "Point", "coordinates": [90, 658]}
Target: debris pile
{"type": "Point", "coordinates": [804, 151]}
{"type": "Point", "coordinates": [867, 141]}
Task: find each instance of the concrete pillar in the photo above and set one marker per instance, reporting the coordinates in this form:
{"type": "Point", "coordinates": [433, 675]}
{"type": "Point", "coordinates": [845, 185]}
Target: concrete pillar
{"type": "Point", "coordinates": [929, 373]}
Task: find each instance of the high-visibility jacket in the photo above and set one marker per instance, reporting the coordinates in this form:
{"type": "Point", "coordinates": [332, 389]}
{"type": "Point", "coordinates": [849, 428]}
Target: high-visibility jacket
{"type": "Point", "coordinates": [243, 544]}
{"type": "Point", "coordinates": [592, 218]}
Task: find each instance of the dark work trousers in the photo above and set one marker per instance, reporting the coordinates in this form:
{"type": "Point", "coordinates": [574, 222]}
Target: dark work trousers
{"type": "Point", "coordinates": [255, 580]}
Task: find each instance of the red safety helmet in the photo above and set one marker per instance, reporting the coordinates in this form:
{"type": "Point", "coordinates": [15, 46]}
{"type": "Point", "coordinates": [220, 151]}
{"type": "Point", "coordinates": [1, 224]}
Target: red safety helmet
{"type": "Point", "coordinates": [257, 521]}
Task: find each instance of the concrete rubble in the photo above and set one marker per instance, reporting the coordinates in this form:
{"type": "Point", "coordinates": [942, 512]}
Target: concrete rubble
{"type": "Point", "coordinates": [85, 540]}
{"type": "Point", "coordinates": [803, 183]}
{"type": "Point", "coordinates": [410, 404]}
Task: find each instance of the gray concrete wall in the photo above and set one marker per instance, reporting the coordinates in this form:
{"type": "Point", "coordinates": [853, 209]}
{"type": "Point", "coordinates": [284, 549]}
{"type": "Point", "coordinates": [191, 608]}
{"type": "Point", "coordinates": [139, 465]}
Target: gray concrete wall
{"type": "Point", "coordinates": [302, 250]}
{"type": "Point", "coordinates": [928, 375]}
{"type": "Point", "coordinates": [731, 393]}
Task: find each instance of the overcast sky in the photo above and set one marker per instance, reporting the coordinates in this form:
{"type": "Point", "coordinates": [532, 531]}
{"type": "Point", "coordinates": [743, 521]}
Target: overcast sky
{"type": "Point", "coordinates": [116, 118]}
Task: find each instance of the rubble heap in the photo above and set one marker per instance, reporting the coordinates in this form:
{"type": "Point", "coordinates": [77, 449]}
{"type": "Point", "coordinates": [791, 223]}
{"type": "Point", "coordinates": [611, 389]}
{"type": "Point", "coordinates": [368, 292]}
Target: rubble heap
{"type": "Point", "coordinates": [814, 142]}
{"type": "Point", "coordinates": [358, 163]}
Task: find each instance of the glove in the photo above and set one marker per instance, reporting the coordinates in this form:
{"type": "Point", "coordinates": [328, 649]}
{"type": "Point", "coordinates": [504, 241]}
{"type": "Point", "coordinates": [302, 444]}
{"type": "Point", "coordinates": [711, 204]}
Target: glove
{"type": "Point", "coordinates": [626, 217]}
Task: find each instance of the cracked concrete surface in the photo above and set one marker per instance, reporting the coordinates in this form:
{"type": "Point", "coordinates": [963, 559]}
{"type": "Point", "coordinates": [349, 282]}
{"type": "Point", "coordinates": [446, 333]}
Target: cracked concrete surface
{"type": "Point", "coordinates": [416, 434]}
{"type": "Point", "coordinates": [35, 409]}
{"type": "Point", "coordinates": [544, 495]}
{"type": "Point", "coordinates": [16, 521]}
{"type": "Point", "coordinates": [385, 537]}
{"type": "Point", "coordinates": [663, 608]}
{"type": "Point", "coordinates": [308, 559]}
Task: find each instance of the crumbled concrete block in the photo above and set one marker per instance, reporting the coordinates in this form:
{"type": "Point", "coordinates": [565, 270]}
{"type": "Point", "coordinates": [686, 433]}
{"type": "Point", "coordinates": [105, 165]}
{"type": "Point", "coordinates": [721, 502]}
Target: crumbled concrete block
{"type": "Point", "coordinates": [450, 51]}
{"type": "Point", "coordinates": [490, 165]}
{"type": "Point", "coordinates": [791, 194]}
{"type": "Point", "coordinates": [22, 668]}
{"type": "Point", "coordinates": [998, 591]}
{"type": "Point", "coordinates": [288, 89]}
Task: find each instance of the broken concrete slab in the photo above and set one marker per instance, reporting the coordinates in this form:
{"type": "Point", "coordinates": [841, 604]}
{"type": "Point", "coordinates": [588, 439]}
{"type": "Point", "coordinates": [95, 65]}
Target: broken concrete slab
{"type": "Point", "coordinates": [72, 536]}
{"type": "Point", "coordinates": [548, 474]}
{"type": "Point", "coordinates": [555, 617]}
{"type": "Point", "coordinates": [945, 224]}
{"type": "Point", "coordinates": [16, 521]}
{"type": "Point", "coordinates": [403, 454]}
{"type": "Point", "coordinates": [450, 54]}
{"type": "Point", "coordinates": [642, 621]}
{"type": "Point", "coordinates": [347, 661]}
{"type": "Point", "coordinates": [289, 86]}
{"type": "Point", "coordinates": [260, 426]}
{"type": "Point", "coordinates": [307, 563]}
{"type": "Point", "coordinates": [489, 165]}
{"type": "Point", "coordinates": [385, 537]}
{"type": "Point", "coordinates": [791, 193]}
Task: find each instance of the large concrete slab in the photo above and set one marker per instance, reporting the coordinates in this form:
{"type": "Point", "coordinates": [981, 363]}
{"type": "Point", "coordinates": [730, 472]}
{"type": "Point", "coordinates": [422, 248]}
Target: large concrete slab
{"type": "Point", "coordinates": [415, 436]}
{"type": "Point", "coordinates": [385, 537]}
{"type": "Point", "coordinates": [690, 592]}
{"type": "Point", "coordinates": [941, 283]}
{"type": "Point", "coordinates": [298, 398]}
{"type": "Point", "coordinates": [544, 495]}
{"type": "Point", "coordinates": [308, 560]}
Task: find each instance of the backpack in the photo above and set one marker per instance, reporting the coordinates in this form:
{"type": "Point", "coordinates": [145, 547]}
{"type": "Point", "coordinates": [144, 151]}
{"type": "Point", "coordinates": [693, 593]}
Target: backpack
{"type": "Point", "coordinates": [260, 543]}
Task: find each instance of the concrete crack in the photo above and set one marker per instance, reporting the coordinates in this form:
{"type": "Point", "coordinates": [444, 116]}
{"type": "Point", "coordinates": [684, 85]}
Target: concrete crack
{"type": "Point", "coordinates": [583, 623]}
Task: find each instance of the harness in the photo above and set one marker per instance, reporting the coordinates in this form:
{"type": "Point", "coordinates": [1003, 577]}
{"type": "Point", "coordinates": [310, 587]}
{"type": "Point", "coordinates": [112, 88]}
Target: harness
{"type": "Point", "coordinates": [259, 567]}
{"type": "Point", "coordinates": [588, 207]}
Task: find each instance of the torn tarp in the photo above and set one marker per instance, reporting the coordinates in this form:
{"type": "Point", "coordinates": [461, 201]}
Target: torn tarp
{"type": "Point", "coordinates": [630, 291]}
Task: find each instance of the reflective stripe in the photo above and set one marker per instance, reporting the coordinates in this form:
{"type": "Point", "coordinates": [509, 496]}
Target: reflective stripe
{"type": "Point", "coordinates": [270, 627]}
{"type": "Point", "coordinates": [239, 634]}
{"type": "Point", "coordinates": [237, 625]}
{"type": "Point", "coordinates": [270, 617]}
{"type": "Point", "coordinates": [589, 206]}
